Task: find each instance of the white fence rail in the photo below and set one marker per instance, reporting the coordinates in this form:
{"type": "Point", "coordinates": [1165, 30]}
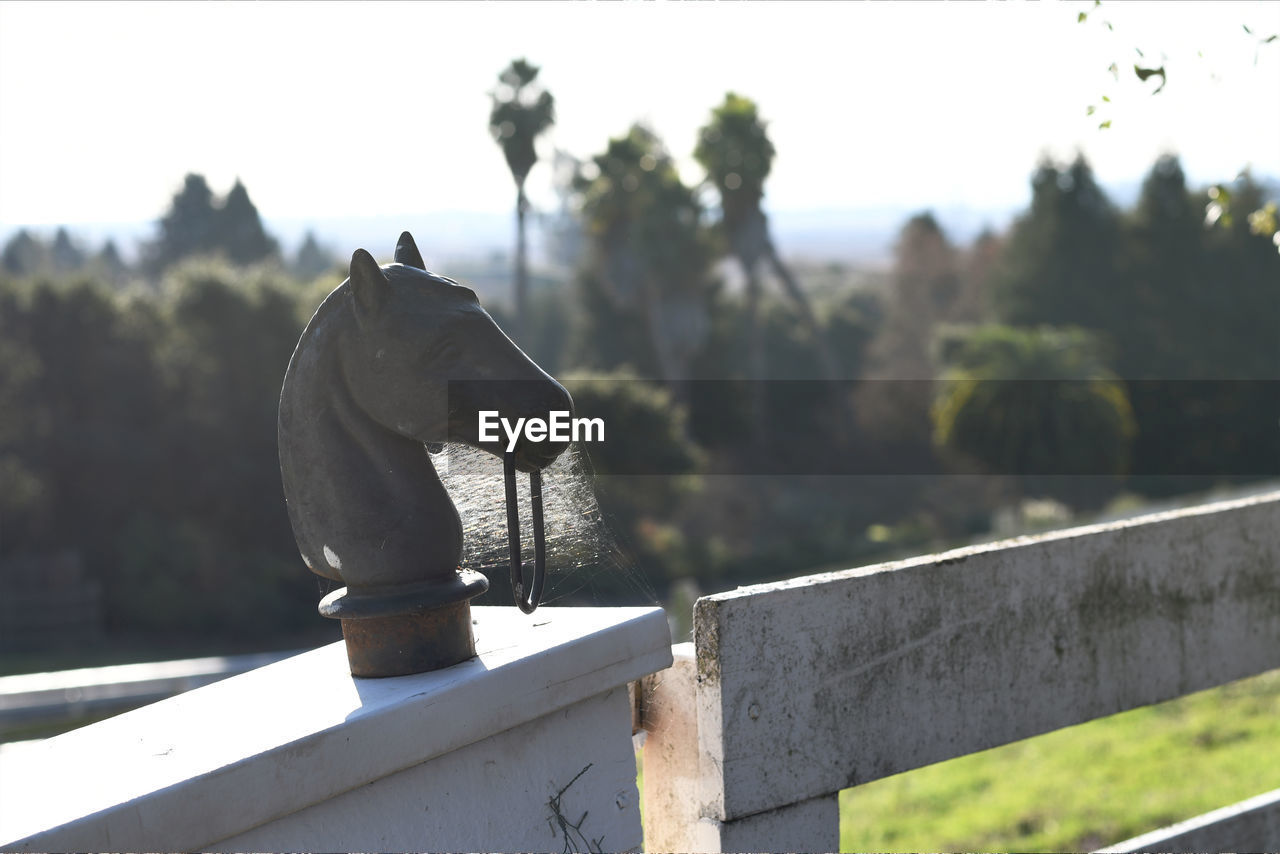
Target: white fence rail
{"type": "Point", "coordinates": [69, 694]}
{"type": "Point", "coordinates": [796, 690]}
{"type": "Point", "coordinates": [526, 747]}
{"type": "Point", "coordinates": [790, 693]}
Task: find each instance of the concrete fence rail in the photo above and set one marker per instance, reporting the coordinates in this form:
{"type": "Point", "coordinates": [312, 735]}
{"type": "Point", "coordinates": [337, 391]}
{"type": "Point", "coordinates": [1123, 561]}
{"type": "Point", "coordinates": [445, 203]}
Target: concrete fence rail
{"type": "Point", "coordinates": [795, 690]}
{"type": "Point", "coordinates": [527, 747]}
{"type": "Point", "coordinates": [789, 693]}
{"type": "Point", "coordinates": [69, 694]}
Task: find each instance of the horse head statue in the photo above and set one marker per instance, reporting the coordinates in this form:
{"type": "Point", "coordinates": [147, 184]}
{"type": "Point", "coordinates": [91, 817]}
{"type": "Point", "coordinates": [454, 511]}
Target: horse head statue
{"type": "Point", "coordinates": [397, 358]}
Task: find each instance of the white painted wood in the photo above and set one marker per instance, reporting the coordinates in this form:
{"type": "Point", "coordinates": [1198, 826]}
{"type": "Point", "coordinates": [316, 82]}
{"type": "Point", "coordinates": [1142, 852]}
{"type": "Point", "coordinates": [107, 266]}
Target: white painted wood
{"type": "Point", "coordinates": [808, 686]}
{"type": "Point", "coordinates": [494, 795]}
{"type": "Point", "coordinates": [812, 825]}
{"type": "Point", "coordinates": [1251, 825]}
{"type": "Point", "coordinates": [44, 695]}
{"type": "Point", "coordinates": [679, 792]}
{"type": "Point", "coordinates": [217, 761]}
{"type": "Point", "coordinates": [672, 800]}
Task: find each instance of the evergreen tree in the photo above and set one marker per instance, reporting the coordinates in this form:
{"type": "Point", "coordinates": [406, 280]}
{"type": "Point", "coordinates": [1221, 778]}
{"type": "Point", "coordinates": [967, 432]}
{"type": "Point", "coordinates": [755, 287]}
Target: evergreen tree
{"type": "Point", "coordinates": [65, 256]}
{"type": "Point", "coordinates": [215, 493]}
{"type": "Point", "coordinates": [188, 228]}
{"type": "Point", "coordinates": [196, 224]}
{"type": "Point", "coordinates": [1165, 272]}
{"type": "Point", "coordinates": [973, 305]}
{"type": "Point", "coordinates": [1060, 265]}
{"type": "Point", "coordinates": [25, 499]}
{"type": "Point", "coordinates": [110, 263]}
{"type": "Point", "coordinates": [1243, 286]}
{"type": "Point", "coordinates": [24, 254]}
{"type": "Point", "coordinates": [925, 286]}
{"type": "Point", "coordinates": [238, 229]}
{"type": "Point", "coordinates": [312, 259]}
{"type": "Point", "coordinates": [98, 397]}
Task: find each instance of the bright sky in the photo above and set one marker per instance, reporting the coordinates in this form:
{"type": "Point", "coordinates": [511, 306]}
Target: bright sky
{"type": "Point", "coordinates": [346, 109]}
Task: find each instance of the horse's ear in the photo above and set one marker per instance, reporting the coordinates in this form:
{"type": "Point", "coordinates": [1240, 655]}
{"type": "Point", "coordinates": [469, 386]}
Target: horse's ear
{"type": "Point", "coordinates": [407, 252]}
{"type": "Point", "coordinates": [368, 283]}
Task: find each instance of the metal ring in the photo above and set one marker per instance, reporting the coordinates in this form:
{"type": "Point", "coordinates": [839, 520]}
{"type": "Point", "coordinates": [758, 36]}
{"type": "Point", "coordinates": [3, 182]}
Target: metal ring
{"type": "Point", "coordinates": [530, 603]}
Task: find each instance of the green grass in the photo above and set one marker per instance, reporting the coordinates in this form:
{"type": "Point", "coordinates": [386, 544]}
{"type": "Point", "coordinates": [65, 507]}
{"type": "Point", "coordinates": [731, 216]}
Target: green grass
{"type": "Point", "coordinates": [1082, 787]}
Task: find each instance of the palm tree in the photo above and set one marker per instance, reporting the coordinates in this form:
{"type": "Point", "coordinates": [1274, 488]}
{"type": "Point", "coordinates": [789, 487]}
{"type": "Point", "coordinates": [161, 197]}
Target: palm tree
{"type": "Point", "coordinates": [737, 154]}
{"type": "Point", "coordinates": [522, 110]}
{"type": "Point", "coordinates": [648, 253]}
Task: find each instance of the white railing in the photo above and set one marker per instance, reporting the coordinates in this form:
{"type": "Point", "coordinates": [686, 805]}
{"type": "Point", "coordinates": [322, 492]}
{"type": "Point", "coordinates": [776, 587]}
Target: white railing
{"type": "Point", "coordinates": [527, 747]}
{"type": "Point", "coordinates": [796, 690]}
{"type": "Point", "coordinates": [790, 693]}
{"type": "Point", "coordinates": [65, 695]}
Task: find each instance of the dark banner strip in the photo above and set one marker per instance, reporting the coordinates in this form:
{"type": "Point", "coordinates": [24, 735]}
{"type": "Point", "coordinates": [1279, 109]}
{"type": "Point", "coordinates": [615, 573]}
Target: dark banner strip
{"type": "Point", "coordinates": [1174, 428]}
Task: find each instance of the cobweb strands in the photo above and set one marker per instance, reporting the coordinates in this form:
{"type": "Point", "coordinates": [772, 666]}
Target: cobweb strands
{"type": "Point", "coordinates": [582, 552]}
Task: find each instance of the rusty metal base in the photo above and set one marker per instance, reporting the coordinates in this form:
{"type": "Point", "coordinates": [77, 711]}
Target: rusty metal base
{"type": "Point", "coordinates": [411, 629]}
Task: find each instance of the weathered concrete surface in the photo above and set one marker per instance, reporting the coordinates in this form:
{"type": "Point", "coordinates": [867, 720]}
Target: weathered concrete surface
{"type": "Point", "coordinates": [676, 793]}
{"type": "Point", "coordinates": [69, 693]}
{"type": "Point", "coordinates": [1251, 825]}
{"type": "Point", "coordinates": [812, 825]}
{"type": "Point", "coordinates": [496, 793]}
{"type": "Point", "coordinates": [207, 765]}
{"type": "Point", "coordinates": [671, 771]}
{"type": "Point", "coordinates": [809, 686]}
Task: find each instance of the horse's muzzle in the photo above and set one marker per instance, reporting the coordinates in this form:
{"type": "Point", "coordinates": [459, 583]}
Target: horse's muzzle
{"type": "Point", "coordinates": [535, 456]}
{"type": "Point", "coordinates": [517, 403]}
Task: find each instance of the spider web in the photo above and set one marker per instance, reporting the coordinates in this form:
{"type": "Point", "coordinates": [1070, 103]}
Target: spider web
{"type": "Point", "coordinates": [585, 562]}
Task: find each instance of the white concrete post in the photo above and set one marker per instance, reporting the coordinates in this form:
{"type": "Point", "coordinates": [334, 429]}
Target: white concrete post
{"type": "Point", "coordinates": [681, 790]}
{"type": "Point", "coordinates": [526, 747]}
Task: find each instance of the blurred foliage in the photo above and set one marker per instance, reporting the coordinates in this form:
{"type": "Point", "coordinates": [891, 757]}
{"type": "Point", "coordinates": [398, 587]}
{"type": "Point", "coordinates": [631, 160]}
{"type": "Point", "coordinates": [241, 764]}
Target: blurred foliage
{"type": "Point", "coordinates": [138, 413]}
{"type": "Point", "coordinates": [141, 432]}
{"type": "Point", "coordinates": [931, 287]}
{"type": "Point", "coordinates": [735, 150]}
{"type": "Point", "coordinates": [1222, 207]}
{"type": "Point", "coordinates": [313, 259]}
{"type": "Point", "coordinates": [23, 255]}
{"type": "Point", "coordinates": [1034, 402]}
{"type": "Point", "coordinates": [26, 254]}
{"type": "Point", "coordinates": [522, 111]}
{"type": "Point", "coordinates": [1168, 299]}
{"type": "Point", "coordinates": [654, 439]}
{"type": "Point", "coordinates": [199, 224]}
{"type": "Point", "coordinates": [1061, 266]}
{"type": "Point", "coordinates": [645, 284]}
{"type": "Point", "coordinates": [645, 467]}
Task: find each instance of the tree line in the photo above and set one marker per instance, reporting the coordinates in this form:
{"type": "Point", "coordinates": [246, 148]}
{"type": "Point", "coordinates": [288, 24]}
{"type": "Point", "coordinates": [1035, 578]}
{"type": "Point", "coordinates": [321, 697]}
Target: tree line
{"type": "Point", "coordinates": [137, 424]}
{"type": "Point", "coordinates": [197, 223]}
